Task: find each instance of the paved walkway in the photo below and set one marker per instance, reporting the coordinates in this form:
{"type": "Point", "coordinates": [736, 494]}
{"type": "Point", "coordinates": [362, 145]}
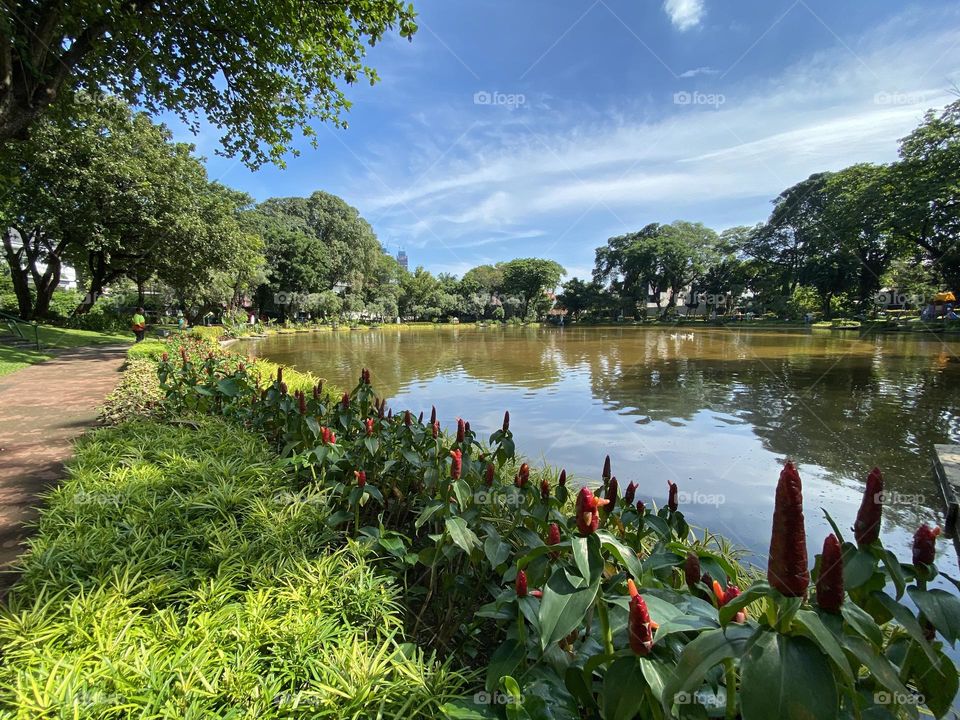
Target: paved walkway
{"type": "Point", "coordinates": [42, 409]}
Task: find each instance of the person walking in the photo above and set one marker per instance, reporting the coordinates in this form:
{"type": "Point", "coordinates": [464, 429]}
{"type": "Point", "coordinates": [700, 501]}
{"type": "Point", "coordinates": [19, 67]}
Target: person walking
{"type": "Point", "coordinates": [139, 324]}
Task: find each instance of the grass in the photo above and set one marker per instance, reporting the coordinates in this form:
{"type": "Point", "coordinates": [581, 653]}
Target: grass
{"type": "Point", "coordinates": [178, 573]}
{"type": "Point", "coordinates": [53, 338]}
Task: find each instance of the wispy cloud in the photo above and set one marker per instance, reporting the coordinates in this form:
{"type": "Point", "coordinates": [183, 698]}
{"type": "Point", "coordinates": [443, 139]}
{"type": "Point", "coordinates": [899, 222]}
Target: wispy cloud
{"type": "Point", "coordinates": [684, 14]}
{"type": "Point", "coordinates": [699, 71]}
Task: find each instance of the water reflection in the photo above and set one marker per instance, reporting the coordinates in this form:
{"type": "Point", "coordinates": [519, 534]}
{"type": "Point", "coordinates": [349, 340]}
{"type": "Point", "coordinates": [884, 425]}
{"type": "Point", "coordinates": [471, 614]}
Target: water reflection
{"type": "Point", "coordinates": [716, 410]}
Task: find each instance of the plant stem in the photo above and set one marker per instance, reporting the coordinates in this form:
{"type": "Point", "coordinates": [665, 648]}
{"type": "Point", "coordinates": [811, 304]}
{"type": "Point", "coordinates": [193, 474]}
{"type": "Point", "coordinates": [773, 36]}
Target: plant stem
{"type": "Point", "coordinates": [605, 627]}
{"type": "Point", "coordinates": [731, 683]}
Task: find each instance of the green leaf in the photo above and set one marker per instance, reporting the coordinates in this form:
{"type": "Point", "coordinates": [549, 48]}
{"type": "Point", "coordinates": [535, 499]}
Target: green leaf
{"type": "Point", "coordinates": [372, 445]}
{"type": "Point", "coordinates": [813, 628]}
{"type": "Point", "coordinates": [461, 535]}
{"type": "Point", "coordinates": [858, 567]}
{"type": "Point", "coordinates": [941, 608]}
{"type": "Point", "coordinates": [936, 681]}
{"type": "Point", "coordinates": [466, 709]}
{"type": "Point", "coordinates": [905, 617]}
{"type": "Point", "coordinates": [656, 675]}
{"type": "Point", "coordinates": [497, 551]}
{"type": "Point", "coordinates": [624, 687]}
{"type": "Point", "coordinates": [228, 387]}
{"type": "Point", "coordinates": [461, 491]}
{"type": "Point", "coordinates": [581, 555]}
{"type": "Point", "coordinates": [756, 591]}
{"type": "Point", "coordinates": [880, 668]}
{"type": "Point", "coordinates": [564, 605]}
{"type": "Point", "coordinates": [412, 458]}
{"type": "Point", "coordinates": [427, 513]}
{"type": "Point", "coordinates": [860, 620]}
{"type": "Point", "coordinates": [786, 677]}
{"type": "Point", "coordinates": [703, 653]}
{"type": "Point", "coordinates": [503, 662]}
{"type": "Point", "coordinates": [628, 557]}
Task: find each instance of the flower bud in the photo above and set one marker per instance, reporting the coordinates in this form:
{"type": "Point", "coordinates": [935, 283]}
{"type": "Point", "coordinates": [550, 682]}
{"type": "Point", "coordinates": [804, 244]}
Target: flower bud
{"type": "Point", "coordinates": [361, 477]}
{"type": "Point", "coordinates": [672, 502]}
{"type": "Point", "coordinates": [553, 538]}
{"type": "Point", "coordinates": [562, 480]}
{"type": "Point", "coordinates": [639, 627]}
{"type": "Point", "coordinates": [605, 475]}
{"type": "Point", "coordinates": [830, 580]}
{"type": "Point", "coordinates": [691, 570]}
{"type": "Point", "coordinates": [369, 424]}
{"type": "Point", "coordinates": [787, 567]}
{"type": "Point", "coordinates": [924, 545]}
{"type": "Point", "coordinates": [866, 528]}
{"type": "Point", "coordinates": [629, 493]}
{"type": "Point", "coordinates": [521, 584]}
{"type": "Point", "coordinates": [433, 414]}
{"type": "Point", "coordinates": [456, 464]}
{"type": "Point", "coordinates": [613, 490]}
{"type": "Point", "coordinates": [506, 421]}
{"type": "Point", "coordinates": [345, 401]}
{"type": "Point", "coordinates": [544, 490]}
{"type": "Point", "coordinates": [491, 471]}
{"type": "Point", "coordinates": [461, 429]}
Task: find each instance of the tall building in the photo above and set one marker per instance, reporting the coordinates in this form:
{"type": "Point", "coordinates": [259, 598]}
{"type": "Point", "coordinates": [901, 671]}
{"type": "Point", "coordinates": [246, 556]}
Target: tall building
{"type": "Point", "coordinates": [402, 259]}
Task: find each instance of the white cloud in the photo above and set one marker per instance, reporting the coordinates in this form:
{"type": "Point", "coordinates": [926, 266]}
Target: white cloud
{"type": "Point", "coordinates": [562, 168]}
{"type": "Point", "coordinates": [699, 71]}
{"type": "Point", "coordinates": [684, 14]}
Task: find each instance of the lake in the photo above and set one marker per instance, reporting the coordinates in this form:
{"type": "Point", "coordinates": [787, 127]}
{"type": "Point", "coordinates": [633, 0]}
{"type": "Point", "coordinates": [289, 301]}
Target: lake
{"type": "Point", "coordinates": [715, 410]}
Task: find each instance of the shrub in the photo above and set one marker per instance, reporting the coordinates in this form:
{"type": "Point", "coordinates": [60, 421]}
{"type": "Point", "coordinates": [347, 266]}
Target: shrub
{"type": "Point", "coordinates": [617, 611]}
{"type": "Point", "coordinates": [148, 350]}
{"type": "Point", "coordinates": [176, 573]}
{"type": "Point", "coordinates": [138, 394]}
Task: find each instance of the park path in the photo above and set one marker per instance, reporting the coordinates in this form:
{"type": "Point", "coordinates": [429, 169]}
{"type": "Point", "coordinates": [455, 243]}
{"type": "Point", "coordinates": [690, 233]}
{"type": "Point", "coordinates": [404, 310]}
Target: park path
{"type": "Point", "coordinates": [43, 408]}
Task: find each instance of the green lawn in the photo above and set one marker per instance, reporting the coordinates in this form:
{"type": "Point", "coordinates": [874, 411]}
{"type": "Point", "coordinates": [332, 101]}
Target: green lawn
{"type": "Point", "coordinates": [53, 338]}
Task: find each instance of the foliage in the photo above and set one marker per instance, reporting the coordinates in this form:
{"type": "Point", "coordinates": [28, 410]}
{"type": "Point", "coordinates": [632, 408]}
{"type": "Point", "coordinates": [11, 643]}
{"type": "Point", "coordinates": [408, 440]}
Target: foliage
{"type": "Point", "coordinates": [451, 515]}
{"type": "Point", "coordinates": [177, 571]}
{"type": "Point", "coordinates": [138, 395]}
{"type": "Point", "coordinates": [258, 72]}
{"type": "Point", "coordinates": [530, 278]}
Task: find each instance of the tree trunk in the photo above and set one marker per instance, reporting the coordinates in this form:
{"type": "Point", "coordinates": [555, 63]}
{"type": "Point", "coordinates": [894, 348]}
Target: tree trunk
{"type": "Point", "coordinates": [99, 278]}
{"type": "Point", "coordinates": [18, 274]}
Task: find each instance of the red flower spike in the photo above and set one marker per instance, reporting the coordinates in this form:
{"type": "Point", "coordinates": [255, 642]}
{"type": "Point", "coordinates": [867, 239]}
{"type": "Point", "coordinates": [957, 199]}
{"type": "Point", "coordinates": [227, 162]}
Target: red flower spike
{"type": "Point", "coordinates": [280, 375]}
{"type": "Point", "coordinates": [466, 427]}
{"type": "Point", "coordinates": [165, 357]}
{"type": "Point", "coordinates": [632, 588]}
{"type": "Point", "coordinates": [283, 388]}
{"type": "Point", "coordinates": [588, 519]}
{"type": "Point", "coordinates": [866, 528]}
{"type": "Point", "coordinates": [420, 418]}
{"type": "Point", "coordinates": [506, 421]}
{"type": "Point", "coordinates": [553, 538]}
{"type": "Point", "coordinates": [345, 401]}
{"type": "Point", "coordinates": [613, 490]}
{"type": "Point", "coordinates": [605, 475]}
{"type": "Point", "coordinates": [544, 490]}
{"type": "Point", "coordinates": [724, 596]}
{"type": "Point", "coordinates": [562, 480]}
{"type": "Point", "coordinates": [830, 580]}
{"type": "Point", "coordinates": [641, 508]}
{"type": "Point", "coordinates": [787, 565]}
{"type": "Point", "coordinates": [433, 414]}
{"type": "Point", "coordinates": [639, 627]}
{"type": "Point", "coordinates": [460, 430]}
{"type": "Point", "coordinates": [691, 570]}
{"type": "Point", "coordinates": [457, 464]}
{"type": "Point", "coordinates": [302, 404]}
{"type": "Point", "coordinates": [369, 424]}
{"type": "Point", "coordinates": [521, 584]}
{"type": "Point", "coordinates": [629, 493]}
{"type": "Point", "coordinates": [361, 477]}
{"type": "Point", "coordinates": [924, 545]}
{"type": "Point", "coordinates": [672, 502]}
{"type": "Point", "coordinates": [407, 418]}
{"type": "Point", "coordinates": [435, 429]}
{"type": "Point", "coordinates": [490, 474]}
{"type": "Point", "coordinates": [316, 392]}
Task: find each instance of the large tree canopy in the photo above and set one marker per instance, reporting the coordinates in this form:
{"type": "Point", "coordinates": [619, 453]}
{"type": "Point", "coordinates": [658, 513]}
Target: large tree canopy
{"type": "Point", "coordinates": [259, 70]}
{"type": "Point", "coordinates": [530, 278]}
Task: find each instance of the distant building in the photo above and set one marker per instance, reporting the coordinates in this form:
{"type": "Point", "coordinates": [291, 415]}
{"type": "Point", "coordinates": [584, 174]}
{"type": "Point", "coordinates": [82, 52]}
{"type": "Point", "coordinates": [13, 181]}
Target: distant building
{"type": "Point", "coordinates": [402, 259]}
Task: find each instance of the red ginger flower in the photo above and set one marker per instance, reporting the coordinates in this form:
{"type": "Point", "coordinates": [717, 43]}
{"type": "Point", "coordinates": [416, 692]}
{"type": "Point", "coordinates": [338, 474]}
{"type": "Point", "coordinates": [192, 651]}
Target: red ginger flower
{"type": "Point", "coordinates": [522, 476]}
{"type": "Point", "coordinates": [787, 565]}
{"type": "Point", "coordinates": [553, 538]}
{"type": "Point", "coordinates": [866, 528]}
{"type": "Point", "coordinates": [302, 403]}
{"type": "Point", "coordinates": [433, 414]}
{"type": "Point", "coordinates": [365, 376]}
{"type": "Point", "coordinates": [588, 519]}
{"type": "Point", "coordinates": [327, 436]}
{"type": "Point", "coordinates": [420, 418]}
{"type": "Point", "coordinates": [544, 490]}
{"type": "Point", "coordinates": [562, 480]}
{"type": "Point", "coordinates": [490, 474]}
{"type": "Point", "coordinates": [407, 418]}
{"type": "Point", "coordinates": [165, 357]}
{"type": "Point", "coordinates": [456, 464]}
{"type": "Point", "coordinates": [316, 392]}
{"type": "Point", "coordinates": [361, 477]}
{"type": "Point", "coordinates": [369, 424]}
{"type": "Point", "coordinates": [613, 490]}
{"type": "Point", "coordinates": [924, 542]}
{"type": "Point", "coordinates": [280, 375]}
{"type": "Point", "coordinates": [724, 596]}
{"type": "Point", "coordinates": [639, 627]}
{"type": "Point", "coordinates": [691, 570]}
{"type": "Point", "coordinates": [672, 502]}
{"type": "Point", "coordinates": [183, 355]}
{"type": "Point", "coordinates": [605, 473]}
{"type": "Point", "coordinates": [461, 429]}
{"type": "Point", "coordinates": [283, 388]}
{"type": "Point", "coordinates": [506, 421]}
{"type": "Point", "coordinates": [345, 401]}
{"type": "Point", "coordinates": [830, 580]}
{"type": "Point", "coordinates": [466, 427]}
{"type": "Point", "coordinates": [641, 508]}
{"type": "Point", "coordinates": [521, 584]}
{"type": "Point", "coordinates": [435, 429]}
{"type": "Point", "coordinates": [629, 493]}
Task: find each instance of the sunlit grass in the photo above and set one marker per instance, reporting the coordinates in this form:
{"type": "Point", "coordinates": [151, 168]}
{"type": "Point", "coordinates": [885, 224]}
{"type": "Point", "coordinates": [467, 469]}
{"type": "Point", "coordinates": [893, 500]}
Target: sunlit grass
{"type": "Point", "coordinates": [173, 576]}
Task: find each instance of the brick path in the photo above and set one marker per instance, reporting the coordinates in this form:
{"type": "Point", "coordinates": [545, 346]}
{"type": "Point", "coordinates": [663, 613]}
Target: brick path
{"type": "Point", "coordinates": [42, 409]}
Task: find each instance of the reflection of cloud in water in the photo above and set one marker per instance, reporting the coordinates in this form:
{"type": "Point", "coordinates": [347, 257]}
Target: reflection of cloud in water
{"type": "Point", "coordinates": [717, 413]}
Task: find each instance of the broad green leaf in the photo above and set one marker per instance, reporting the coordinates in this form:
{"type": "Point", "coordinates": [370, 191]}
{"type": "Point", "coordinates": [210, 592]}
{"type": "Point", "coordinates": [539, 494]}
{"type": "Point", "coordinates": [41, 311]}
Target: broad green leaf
{"type": "Point", "coordinates": [581, 555]}
{"type": "Point", "coordinates": [503, 662]}
{"type": "Point", "coordinates": [858, 567]}
{"type": "Point", "coordinates": [941, 608]}
{"type": "Point", "coordinates": [427, 513]}
{"type": "Point", "coordinates": [860, 620]}
{"type": "Point", "coordinates": [372, 445]}
{"type": "Point", "coordinates": [466, 709]}
{"type": "Point", "coordinates": [461, 491]}
{"type": "Point", "coordinates": [754, 592]}
{"type": "Point", "coordinates": [624, 687]}
{"type": "Point", "coordinates": [880, 668]}
{"type": "Point", "coordinates": [786, 677]}
{"type": "Point", "coordinates": [564, 605]}
{"type": "Point", "coordinates": [628, 557]}
{"type": "Point", "coordinates": [461, 535]}
{"type": "Point", "coordinates": [812, 627]}
{"type": "Point", "coordinates": [701, 654]}
{"type": "Point", "coordinates": [497, 551]}
{"type": "Point", "coordinates": [906, 618]}
{"type": "Point", "coordinates": [936, 681]}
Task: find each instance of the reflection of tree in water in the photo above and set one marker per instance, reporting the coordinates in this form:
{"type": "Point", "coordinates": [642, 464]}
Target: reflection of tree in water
{"type": "Point", "coordinates": [845, 413]}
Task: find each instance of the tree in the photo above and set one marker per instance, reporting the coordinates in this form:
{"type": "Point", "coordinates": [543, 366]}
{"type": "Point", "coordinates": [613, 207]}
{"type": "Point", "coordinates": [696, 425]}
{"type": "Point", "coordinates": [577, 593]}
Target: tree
{"type": "Point", "coordinates": [579, 296]}
{"type": "Point", "coordinates": [926, 210]}
{"type": "Point", "coordinates": [529, 278]}
{"type": "Point", "coordinates": [108, 192]}
{"type": "Point", "coordinates": [260, 70]}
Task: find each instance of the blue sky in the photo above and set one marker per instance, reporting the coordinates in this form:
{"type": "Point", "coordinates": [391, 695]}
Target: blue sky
{"type": "Point", "coordinates": [511, 128]}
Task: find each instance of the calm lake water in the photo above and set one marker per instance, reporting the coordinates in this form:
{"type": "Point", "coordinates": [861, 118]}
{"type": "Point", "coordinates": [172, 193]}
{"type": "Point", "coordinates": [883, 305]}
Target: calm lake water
{"type": "Point", "coordinates": [717, 411]}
